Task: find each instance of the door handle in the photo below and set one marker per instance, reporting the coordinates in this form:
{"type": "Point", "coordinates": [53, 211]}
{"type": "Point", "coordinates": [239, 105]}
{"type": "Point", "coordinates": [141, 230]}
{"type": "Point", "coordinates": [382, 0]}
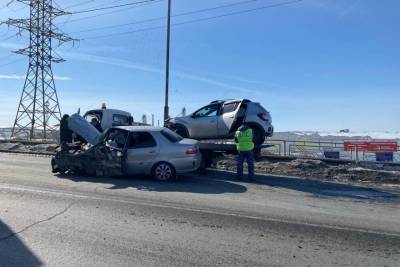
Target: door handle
{"type": "Point", "coordinates": [152, 152]}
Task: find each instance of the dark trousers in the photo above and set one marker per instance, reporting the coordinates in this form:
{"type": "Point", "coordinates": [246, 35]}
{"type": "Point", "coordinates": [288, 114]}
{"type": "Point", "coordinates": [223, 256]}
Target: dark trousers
{"type": "Point", "coordinates": [249, 156]}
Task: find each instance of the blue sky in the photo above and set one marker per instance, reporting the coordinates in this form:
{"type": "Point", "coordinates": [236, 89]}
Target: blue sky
{"type": "Point", "coordinates": [315, 65]}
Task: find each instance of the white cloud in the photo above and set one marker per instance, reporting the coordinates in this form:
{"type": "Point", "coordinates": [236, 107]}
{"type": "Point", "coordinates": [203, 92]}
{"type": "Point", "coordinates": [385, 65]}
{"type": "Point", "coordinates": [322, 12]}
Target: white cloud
{"type": "Point", "coordinates": [148, 68]}
{"type": "Point", "coordinates": [22, 77]}
{"type": "Point", "coordinates": [11, 77]}
{"type": "Point", "coordinates": [62, 78]}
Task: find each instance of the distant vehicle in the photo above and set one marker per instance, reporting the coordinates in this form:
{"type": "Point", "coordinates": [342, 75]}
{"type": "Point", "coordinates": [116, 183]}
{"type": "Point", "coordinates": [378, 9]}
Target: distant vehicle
{"type": "Point", "coordinates": [221, 118]}
{"type": "Point", "coordinates": [140, 150]}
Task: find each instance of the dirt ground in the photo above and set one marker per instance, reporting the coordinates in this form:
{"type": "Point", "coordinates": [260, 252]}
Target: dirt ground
{"type": "Point", "coordinates": [35, 148]}
{"type": "Point", "coordinates": [317, 169]}
{"type": "Point", "coordinates": [364, 172]}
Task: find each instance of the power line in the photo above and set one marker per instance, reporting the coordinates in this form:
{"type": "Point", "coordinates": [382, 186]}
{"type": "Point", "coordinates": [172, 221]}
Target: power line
{"type": "Point", "coordinates": [80, 4]}
{"type": "Point", "coordinates": [112, 12]}
{"type": "Point", "coordinates": [198, 20]}
{"type": "Point", "coordinates": [91, 1]}
{"type": "Point", "coordinates": [176, 15]}
{"type": "Point", "coordinates": [6, 57]}
{"type": "Point", "coordinates": [11, 62]}
{"type": "Point", "coordinates": [124, 33]}
{"type": "Point", "coordinates": [120, 25]}
{"type": "Point", "coordinates": [111, 7]}
{"type": "Point", "coordinates": [18, 35]}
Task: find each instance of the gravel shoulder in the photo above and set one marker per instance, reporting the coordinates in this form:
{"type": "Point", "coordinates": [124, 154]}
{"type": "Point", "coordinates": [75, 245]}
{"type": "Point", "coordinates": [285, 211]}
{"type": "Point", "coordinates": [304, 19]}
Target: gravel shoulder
{"type": "Point", "coordinates": [362, 172]}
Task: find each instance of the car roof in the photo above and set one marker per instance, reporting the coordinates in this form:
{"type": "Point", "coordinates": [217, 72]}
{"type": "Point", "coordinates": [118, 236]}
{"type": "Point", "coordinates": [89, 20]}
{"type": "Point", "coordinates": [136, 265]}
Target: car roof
{"type": "Point", "coordinates": [229, 101]}
{"type": "Point", "coordinates": [111, 110]}
{"type": "Point", "coordinates": [139, 128]}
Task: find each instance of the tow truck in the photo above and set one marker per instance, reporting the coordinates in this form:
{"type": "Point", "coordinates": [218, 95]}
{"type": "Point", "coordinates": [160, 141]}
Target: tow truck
{"type": "Point", "coordinates": [111, 117]}
{"type": "Point", "coordinates": [108, 161]}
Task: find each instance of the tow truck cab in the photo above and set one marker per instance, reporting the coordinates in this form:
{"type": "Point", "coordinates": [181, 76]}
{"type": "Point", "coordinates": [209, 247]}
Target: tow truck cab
{"type": "Point", "coordinates": [110, 117]}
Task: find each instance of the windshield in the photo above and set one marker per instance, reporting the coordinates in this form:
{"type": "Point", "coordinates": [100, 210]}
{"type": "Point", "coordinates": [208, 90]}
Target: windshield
{"type": "Point", "coordinates": [90, 115]}
{"type": "Point", "coordinates": [207, 111]}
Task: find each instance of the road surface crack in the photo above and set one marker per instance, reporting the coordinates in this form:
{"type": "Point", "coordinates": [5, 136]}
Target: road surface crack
{"type": "Point", "coordinates": [12, 234]}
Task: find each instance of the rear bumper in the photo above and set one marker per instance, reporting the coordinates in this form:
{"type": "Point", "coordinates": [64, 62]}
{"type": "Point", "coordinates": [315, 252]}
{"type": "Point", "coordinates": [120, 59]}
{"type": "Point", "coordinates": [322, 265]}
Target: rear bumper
{"type": "Point", "coordinates": [269, 131]}
{"type": "Point", "coordinates": [188, 164]}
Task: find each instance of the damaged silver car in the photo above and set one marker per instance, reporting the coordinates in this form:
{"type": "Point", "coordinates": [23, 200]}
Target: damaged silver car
{"type": "Point", "coordinates": [127, 150]}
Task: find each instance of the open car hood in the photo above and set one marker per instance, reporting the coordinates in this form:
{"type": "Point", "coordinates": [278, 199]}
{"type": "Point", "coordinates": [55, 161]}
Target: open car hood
{"type": "Point", "coordinates": [83, 128]}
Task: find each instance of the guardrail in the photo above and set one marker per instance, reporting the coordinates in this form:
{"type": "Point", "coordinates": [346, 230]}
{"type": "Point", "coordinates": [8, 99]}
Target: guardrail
{"type": "Point", "coordinates": [320, 150]}
{"type": "Point", "coordinates": [281, 148]}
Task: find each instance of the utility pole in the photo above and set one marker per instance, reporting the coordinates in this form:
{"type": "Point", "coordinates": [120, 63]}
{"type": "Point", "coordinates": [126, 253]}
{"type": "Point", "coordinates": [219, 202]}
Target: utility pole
{"type": "Point", "coordinates": [38, 110]}
{"type": "Point", "coordinates": [166, 107]}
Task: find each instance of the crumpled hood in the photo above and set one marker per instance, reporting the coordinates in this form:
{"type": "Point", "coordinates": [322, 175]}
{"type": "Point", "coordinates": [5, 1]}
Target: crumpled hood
{"type": "Point", "coordinates": [82, 127]}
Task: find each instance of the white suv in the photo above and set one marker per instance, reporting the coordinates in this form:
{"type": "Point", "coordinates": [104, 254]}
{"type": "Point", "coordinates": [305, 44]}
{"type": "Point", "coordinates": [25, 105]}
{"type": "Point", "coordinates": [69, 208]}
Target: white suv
{"type": "Point", "coordinates": [221, 118]}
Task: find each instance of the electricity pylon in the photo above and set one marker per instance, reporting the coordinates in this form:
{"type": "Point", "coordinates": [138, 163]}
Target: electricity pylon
{"type": "Point", "coordinates": [39, 110]}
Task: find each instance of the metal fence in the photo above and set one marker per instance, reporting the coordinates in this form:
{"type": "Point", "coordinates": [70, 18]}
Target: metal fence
{"type": "Point", "coordinates": [320, 149]}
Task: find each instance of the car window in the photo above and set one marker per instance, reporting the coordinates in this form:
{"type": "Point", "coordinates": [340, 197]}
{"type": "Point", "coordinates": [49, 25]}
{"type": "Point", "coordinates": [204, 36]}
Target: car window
{"type": "Point", "coordinates": [141, 140]}
{"type": "Point", "coordinates": [120, 119]}
{"type": "Point", "coordinates": [171, 136]}
{"type": "Point", "coordinates": [230, 107]}
{"type": "Point", "coordinates": [207, 111]}
{"type": "Point", "coordinates": [116, 138]}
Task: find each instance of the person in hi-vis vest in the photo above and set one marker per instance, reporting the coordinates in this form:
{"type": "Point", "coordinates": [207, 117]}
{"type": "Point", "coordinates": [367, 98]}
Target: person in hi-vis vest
{"type": "Point", "coordinates": [245, 146]}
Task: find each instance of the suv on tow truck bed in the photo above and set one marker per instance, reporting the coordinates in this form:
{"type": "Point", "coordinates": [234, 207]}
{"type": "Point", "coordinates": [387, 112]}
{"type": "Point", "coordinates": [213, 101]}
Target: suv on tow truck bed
{"type": "Point", "coordinates": [220, 119]}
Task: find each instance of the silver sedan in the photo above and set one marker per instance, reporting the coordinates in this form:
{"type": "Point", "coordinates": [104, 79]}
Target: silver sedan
{"type": "Point", "coordinates": [154, 151]}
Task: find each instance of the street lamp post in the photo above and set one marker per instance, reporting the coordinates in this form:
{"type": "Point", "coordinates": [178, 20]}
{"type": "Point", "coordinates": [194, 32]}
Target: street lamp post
{"type": "Point", "coordinates": [166, 107]}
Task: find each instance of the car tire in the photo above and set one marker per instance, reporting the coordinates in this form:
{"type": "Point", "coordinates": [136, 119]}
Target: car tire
{"type": "Point", "coordinates": [164, 171]}
{"type": "Point", "coordinates": [181, 130]}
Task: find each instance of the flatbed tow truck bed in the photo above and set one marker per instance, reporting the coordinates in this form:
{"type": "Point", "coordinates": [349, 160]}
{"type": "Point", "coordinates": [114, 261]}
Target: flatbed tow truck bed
{"type": "Point", "coordinates": [211, 149]}
{"type": "Point", "coordinates": [223, 146]}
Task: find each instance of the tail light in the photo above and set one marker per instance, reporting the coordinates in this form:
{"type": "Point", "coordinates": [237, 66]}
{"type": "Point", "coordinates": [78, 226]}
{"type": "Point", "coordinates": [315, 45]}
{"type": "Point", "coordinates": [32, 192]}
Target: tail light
{"type": "Point", "coordinates": [263, 116]}
{"type": "Point", "coordinates": [192, 151]}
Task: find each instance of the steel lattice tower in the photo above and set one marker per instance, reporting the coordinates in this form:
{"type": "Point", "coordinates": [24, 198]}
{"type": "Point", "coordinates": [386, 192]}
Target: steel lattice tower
{"type": "Point", "coordinates": [39, 110]}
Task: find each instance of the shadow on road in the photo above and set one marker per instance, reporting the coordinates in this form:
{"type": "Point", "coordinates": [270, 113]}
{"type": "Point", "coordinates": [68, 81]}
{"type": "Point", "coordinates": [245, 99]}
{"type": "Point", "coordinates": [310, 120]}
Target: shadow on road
{"type": "Point", "coordinates": [13, 252]}
{"type": "Point", "coordinates": [183, 184]}
{"type": "Point", "coordinates": [219, 182]}
{"type": "Point", "coordinates": [318, 188]}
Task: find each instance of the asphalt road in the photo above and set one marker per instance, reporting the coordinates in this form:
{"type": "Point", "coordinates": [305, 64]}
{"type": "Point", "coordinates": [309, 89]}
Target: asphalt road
{"type": "Point", "coordinates": [197, 220]}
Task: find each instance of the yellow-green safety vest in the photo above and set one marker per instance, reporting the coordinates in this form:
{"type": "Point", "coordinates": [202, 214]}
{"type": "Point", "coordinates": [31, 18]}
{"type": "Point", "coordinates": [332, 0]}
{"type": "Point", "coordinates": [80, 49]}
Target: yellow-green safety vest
{"type": "Point", "coordinates": [244, 140]}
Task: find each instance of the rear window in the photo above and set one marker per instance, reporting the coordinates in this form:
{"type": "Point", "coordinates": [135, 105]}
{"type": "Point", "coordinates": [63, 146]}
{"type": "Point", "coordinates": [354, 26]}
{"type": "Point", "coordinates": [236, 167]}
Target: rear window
{"type": "Point", "coordinates": [230, 107]}
{"type": "Point", "coordinates": [171, 136]}
{"type": "Point", "coordinates": [261, 107]}
{"type": "Point", "coordinates": [120, 119]}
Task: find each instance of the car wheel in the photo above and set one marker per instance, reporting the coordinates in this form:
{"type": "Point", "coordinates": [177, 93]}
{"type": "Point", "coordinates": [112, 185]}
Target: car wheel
{"type": "Point", "coordinates": [164, 171]}
{"type": "Point", "coordinates": [259, 138]}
